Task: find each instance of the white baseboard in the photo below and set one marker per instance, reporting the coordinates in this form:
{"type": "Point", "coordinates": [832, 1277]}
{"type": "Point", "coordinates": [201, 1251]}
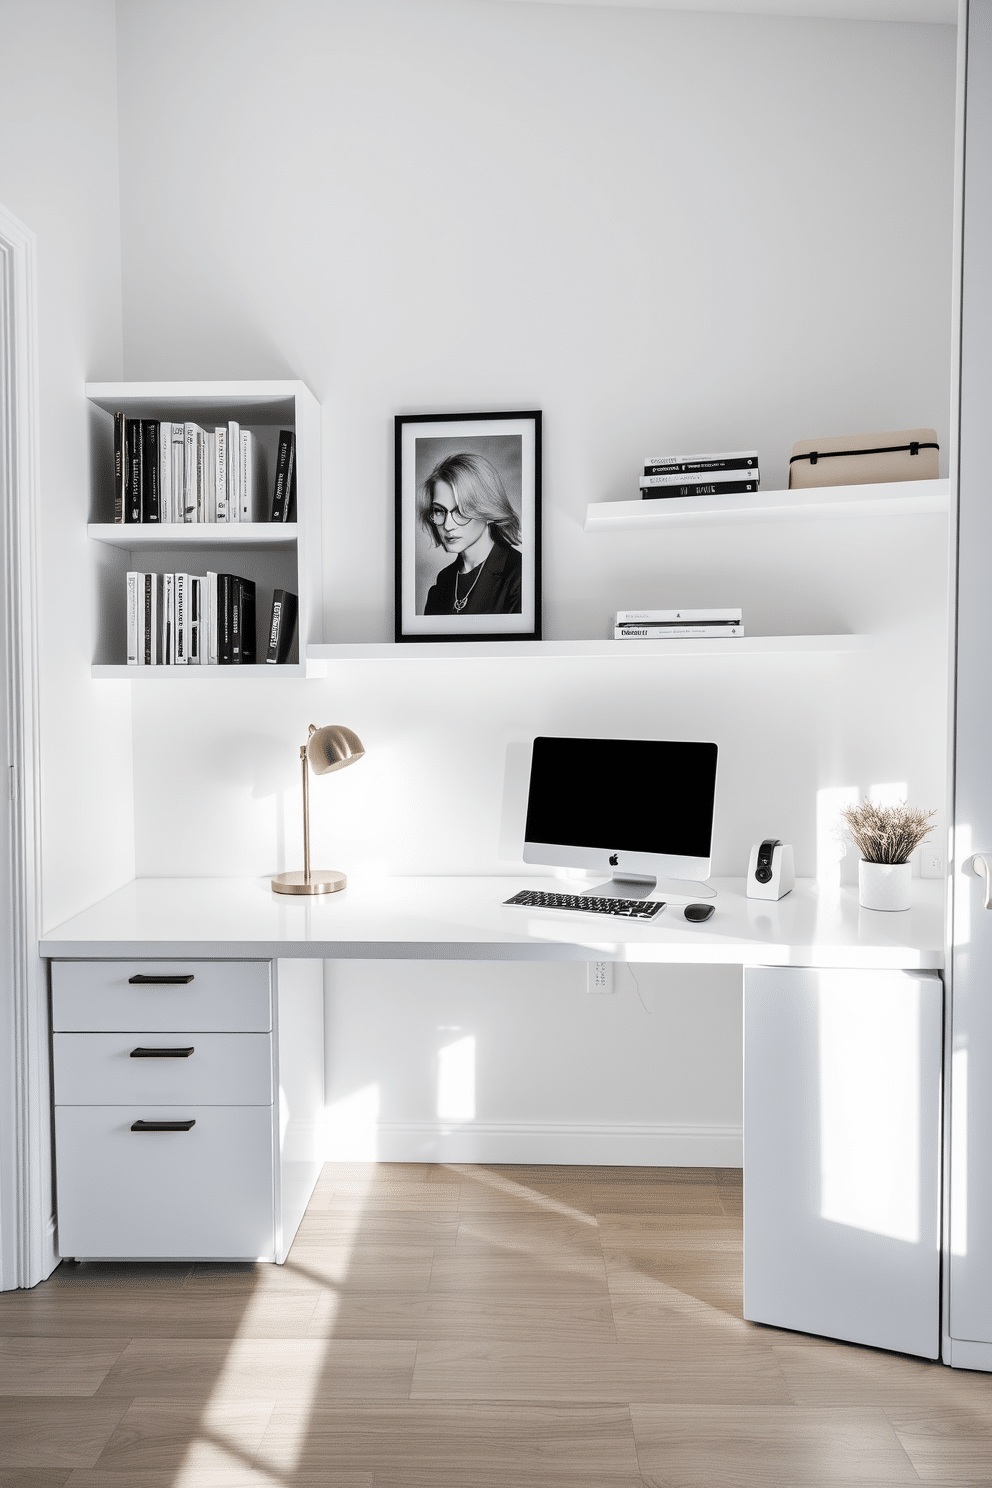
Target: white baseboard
{"type": "Point", "coordinates": [964, 1354]}
{"type": "Point", "coordinates": [608, 1143]}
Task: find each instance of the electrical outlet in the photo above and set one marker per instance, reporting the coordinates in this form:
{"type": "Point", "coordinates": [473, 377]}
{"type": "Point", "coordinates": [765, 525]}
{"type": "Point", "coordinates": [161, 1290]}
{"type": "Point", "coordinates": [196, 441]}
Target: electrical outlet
{"type": "Point", "coordinates": [599, 977]}
{"type": "Point", "coordinates": [931, 861]}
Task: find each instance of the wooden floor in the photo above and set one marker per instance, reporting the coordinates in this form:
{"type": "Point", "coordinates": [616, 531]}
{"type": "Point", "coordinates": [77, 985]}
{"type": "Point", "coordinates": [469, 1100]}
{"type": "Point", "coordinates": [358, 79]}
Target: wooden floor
{"type": "Point", "coordinates": [445, 1327]}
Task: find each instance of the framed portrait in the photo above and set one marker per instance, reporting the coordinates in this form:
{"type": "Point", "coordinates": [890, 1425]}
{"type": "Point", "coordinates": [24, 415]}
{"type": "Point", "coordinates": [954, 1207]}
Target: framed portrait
{"type": "Point", "coordinates": [468, 527]}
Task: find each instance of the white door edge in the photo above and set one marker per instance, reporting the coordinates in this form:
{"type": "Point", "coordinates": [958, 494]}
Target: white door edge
{"type": "Point", "coordinates": [27, 1228]}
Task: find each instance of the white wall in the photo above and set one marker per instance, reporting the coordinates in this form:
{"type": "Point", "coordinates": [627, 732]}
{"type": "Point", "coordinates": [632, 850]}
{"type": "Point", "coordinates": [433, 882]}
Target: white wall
{"type": "Point", "coordinates": [665, 230]}
{"type": "Point", "coordinates": [58, 174]}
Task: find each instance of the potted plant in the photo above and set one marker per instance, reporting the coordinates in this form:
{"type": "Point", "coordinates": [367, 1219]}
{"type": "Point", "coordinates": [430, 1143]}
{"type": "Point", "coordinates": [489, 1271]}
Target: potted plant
{"type": "Point", "coordinates": [886, 836]}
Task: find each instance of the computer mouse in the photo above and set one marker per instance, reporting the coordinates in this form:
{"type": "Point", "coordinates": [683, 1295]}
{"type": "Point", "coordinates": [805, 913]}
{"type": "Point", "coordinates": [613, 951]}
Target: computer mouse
{"type": "Point", "coordinates": [698, 912]}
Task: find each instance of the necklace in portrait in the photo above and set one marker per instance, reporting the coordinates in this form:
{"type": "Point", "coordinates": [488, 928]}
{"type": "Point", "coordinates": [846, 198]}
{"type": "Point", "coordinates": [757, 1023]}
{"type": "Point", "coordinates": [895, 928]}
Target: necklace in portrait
{"type": "Point", "coordinates": [461, 603]}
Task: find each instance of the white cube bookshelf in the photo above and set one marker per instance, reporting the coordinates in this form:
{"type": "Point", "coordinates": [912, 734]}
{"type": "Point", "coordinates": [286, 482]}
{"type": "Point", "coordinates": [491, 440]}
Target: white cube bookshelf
{"type": "Point", "coordinates": [275, 555]}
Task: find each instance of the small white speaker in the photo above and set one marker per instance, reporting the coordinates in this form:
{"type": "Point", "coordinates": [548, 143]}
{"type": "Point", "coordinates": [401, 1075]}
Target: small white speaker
{"type": "Point", "coordinates": [771, 873]}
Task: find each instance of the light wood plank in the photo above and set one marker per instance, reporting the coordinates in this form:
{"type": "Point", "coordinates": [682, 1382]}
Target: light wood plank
{"type": "Point", "coordinates": [851, 1376]}
{"type": "Point", "coordinates": [945, 1446]}
{"type": "Point", "coordinates": [41, 1434]}
{"type": "Point", "coordinates": [55, 1366]}
{"type": "Point", "coordinates": [256, 1369]}
{"type": "Point", "coordinates": [491, 1270]}
{"type": "Point", "coordinates": [697, 1447]}
{"type": "Point", "coordinates": [197, 1477]}
{"type": "Point", "coordinates": [325, 1227]}
{"type": "Point", "coordinates": [670, 1232]}
{"type": "Point", "coordinates": [714, 1373]}
{"type": "Point", "coordinates": [166, 1435]}
{"type": "Point", "coordinates": [27, 1477]}
{"type": "Point", "coordinates": [504, 1316]}
{"type": "Point", "coordinates": [252, 1313]}
{"type": "Point", "coordinates": [490, 1445]}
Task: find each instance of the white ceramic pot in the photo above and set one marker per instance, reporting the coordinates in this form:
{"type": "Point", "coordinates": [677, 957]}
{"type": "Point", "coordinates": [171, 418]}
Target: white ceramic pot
{"type": "Point", "coordinates": [884, 885]}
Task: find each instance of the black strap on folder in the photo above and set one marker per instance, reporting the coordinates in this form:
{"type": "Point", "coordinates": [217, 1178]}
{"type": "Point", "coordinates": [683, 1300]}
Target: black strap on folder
{"type": "Point", "coordinates": [914, 448]}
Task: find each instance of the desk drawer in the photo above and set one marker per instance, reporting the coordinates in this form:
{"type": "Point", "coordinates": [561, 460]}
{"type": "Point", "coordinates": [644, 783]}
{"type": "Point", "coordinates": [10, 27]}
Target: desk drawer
{"type": "Point", "coordinates": [102, 1069]}
{"type": "Point", "coordinates": [223, 996]}
{"type": "Point", "coordinates": [204, 1193]}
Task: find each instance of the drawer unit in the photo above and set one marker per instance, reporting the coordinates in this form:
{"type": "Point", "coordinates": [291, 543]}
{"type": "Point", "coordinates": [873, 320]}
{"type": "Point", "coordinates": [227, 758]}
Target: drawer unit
{"type": "Point", "coordinates": [124, 1069]}
{"type": "Point", "coordinates": [188, 1106]}
{"type": "Point", "coordinates": [201, 997]}
{"type": "Point", "coordinates": [204, 1193]}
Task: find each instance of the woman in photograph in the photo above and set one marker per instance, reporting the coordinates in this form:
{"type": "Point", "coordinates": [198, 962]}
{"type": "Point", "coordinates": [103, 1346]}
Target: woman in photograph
{"type": "Point", "coordinates": [464, 508]}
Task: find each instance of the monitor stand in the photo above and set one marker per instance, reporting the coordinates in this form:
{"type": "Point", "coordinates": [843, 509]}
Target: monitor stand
{"type": "Point", "coordinates": [643, 886]}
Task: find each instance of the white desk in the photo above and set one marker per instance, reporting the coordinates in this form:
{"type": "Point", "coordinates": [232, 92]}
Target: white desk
{"type": "Point", "coordinates": [464, 919]}
{"type": "Point", "coordinates": [842, 1029]}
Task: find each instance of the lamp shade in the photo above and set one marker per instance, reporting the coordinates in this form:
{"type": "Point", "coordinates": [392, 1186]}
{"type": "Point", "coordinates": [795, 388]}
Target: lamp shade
{"type": "Point", "coordinates": [332, 748]}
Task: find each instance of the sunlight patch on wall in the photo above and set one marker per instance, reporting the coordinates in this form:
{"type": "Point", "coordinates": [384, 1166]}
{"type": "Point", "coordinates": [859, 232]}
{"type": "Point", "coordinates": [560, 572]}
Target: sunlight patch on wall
{"type": "Point", "coordinates": [830, 847]}
{"type": "Point", "coordinates": [351, 1126]}
{"type": "Point", "coordinates": [456, 1080]}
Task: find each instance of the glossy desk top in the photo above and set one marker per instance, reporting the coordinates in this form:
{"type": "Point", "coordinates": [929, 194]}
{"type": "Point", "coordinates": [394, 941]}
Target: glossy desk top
{"type": "Point", "coordinates": [464, 919]}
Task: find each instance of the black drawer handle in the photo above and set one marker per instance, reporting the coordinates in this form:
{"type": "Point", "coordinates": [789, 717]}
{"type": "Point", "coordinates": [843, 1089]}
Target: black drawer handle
{"type": "Point", "coordinates": [162, 1125]}
{"type": "Point", "coordinates": [160, 981]}
{"type": "Point", "coordinates": [162, 1053]}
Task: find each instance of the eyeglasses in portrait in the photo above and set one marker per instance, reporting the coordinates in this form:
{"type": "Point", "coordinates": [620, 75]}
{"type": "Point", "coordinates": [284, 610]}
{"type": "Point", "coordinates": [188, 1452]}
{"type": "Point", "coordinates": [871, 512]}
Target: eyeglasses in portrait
{"type": "Point", "coordinates": [468, 526]}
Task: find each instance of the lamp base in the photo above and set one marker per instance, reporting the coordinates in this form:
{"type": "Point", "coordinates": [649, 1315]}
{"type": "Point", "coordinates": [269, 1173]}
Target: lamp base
{"type": "Point", "coordinates": [322, 881]}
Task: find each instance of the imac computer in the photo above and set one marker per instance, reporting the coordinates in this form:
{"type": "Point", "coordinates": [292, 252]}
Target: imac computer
{"type": "Point", "coordinates": [638, 809]}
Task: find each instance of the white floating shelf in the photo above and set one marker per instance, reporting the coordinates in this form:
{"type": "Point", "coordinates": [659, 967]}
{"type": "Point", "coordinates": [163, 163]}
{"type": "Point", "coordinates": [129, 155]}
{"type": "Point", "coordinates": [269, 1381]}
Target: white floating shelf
{"type": "Point", "coordinates": [741, 646]}
{"type": "Point", "coordinates": [182, 536]}
{"type": "Point", "coordinates": [894, 499]}
{"type": "Point", "coordinates": [248, 402]}
{"type": "Point", "coordinates": [182, 673]}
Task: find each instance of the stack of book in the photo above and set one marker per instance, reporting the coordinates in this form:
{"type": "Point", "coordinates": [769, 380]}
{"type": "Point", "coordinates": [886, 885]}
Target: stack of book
{"type": "Point", "coordinates": [731, 474]}
{"type": "Point", "coordinates": [202, 620]}
{"type": "Point", "coordinates": [676, 625]}
{"type": "Point", "coordinates": [180, 472]}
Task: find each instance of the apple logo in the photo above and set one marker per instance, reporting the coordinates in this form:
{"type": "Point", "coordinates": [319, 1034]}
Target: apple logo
{"type": "Point", "coordinates": [614, 860]}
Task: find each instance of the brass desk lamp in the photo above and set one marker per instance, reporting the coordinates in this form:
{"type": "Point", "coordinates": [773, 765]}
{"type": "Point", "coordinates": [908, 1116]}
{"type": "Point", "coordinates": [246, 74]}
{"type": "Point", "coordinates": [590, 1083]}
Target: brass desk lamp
{"type": "Point", "coordinates": [327, 749]}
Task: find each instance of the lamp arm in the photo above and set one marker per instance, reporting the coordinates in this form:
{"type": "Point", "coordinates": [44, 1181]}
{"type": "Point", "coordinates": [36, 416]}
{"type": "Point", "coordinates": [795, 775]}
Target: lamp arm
{"type": "Point", "coordinates": [306, 813]}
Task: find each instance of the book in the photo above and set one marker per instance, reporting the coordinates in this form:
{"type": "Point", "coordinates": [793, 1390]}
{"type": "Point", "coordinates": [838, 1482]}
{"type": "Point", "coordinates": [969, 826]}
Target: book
{"type": "Point", "coordinates": [233, 507]}
{"type": "Point", "coordinates": [208, 643]}
{"type": "Point", "coordinates": [674, 632]}
{"type": "Point", "coordinates": [701, 488]}
{"type": "Point", "coordinates": [281, 626]}
{"type": "Point", "coordinates": [209, 511]}
{"type": "Point", "coordinates": [147, 611]}
{"type": "Point", "coordinates": [132, 617]}
{"type": "Point", "coordinates": [718, 478]}
{"type": "Point", "coordinates": [189, 471]}
{"type": "Point", "coordinates": [732, 616]}
{"type": "Point", "coordinates": [181, 645]}
{"type": "Point", "coordinates": [120, 465]}
{"type": "Point", "coordinates": [235, 592]}
{"type": "Point", "coordinates": [178, 489]}
{"type": "Point", "coordinates": [225, 619]}
{"type": "Point", "coordinates": [168, 652]}
{"type": "Point", "coordinates": [250, 477]}
{"type": "Point", "coordinates": [247, 621]}
{"type": "Point", "coordinates": [197, 587]}
{"type": "Point", "coordinates": [659, 464]}
{"type": "Point", "coordinates": [220, 474]}
{"type": "Point", "coordinates": [283, 486]}
{"type": "Point", "coordinates": [132, 491]}
{"type": "Point", "coordinates": [151, 510]}
{"type": "Point", "coordinates": [165, 471]}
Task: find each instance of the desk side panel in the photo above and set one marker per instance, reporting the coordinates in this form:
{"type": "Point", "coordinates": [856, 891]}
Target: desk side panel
{"type": "Point", "coordinates": [842, 1079]}
{"type": "Point", "coordinates": [300, 1064]}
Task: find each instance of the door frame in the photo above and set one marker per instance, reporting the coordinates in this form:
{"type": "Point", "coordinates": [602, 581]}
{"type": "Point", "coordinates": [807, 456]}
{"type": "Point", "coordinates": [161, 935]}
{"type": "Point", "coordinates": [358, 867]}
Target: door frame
{"type": "Point", "coordinates": [27, 1217]}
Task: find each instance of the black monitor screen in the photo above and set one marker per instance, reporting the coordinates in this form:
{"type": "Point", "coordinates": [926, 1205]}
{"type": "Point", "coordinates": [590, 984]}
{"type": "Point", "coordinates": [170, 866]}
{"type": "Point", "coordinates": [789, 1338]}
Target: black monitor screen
{"type": "Point", "coordinates": [641, 795]}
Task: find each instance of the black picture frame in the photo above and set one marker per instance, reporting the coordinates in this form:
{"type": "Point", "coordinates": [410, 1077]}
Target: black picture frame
{"type": "Point", "coordinates": [493, 463]}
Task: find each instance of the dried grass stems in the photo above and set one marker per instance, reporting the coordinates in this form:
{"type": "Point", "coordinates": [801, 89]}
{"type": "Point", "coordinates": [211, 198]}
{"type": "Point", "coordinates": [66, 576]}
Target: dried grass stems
{"type": "Point", "coordinates": [887, 834]}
